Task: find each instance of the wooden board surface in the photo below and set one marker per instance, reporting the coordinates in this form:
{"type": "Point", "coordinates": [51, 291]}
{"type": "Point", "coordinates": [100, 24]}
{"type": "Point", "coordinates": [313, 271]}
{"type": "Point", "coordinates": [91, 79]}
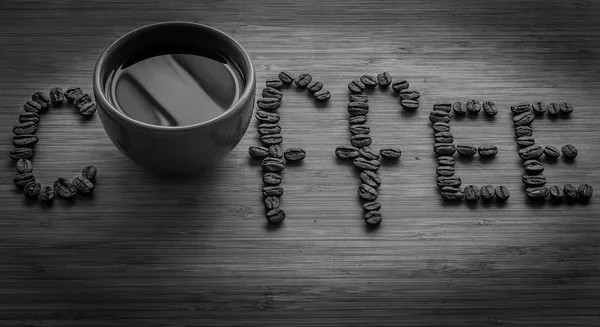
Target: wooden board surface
{"type": "Point", "coordinates": [153, 251]}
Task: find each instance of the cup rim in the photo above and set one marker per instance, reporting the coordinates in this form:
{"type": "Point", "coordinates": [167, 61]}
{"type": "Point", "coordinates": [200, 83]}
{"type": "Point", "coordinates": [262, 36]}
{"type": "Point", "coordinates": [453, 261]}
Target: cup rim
{"type": "Point", "coordinates": [231, 111]}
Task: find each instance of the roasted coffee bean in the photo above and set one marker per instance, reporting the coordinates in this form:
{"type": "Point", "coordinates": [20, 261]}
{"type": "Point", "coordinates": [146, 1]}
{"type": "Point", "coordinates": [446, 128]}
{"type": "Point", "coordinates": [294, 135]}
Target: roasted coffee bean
{"type": "Point", "coordinates": [390, 153]}
{"type": "Point", "coordinates": [551, 152]}
{"type": "Point", "coordinates": [453, 181]}
{"type": "Point", "coordinates": [445, 171]}
{"type": "Point", "coordinates": [472, 193]}
{"type": "Point", "coordinates": [275, 216]}
{"type": "Point", "coordinates": [32, 190]}
{"type": "Point", "coordinates": [89, 172]}
{"type": "Point", "coordinates": [553, 109]}
{"type": "Point", "coordinates": [271, 139]}
{"type": "Point", "coordinates": [266, 117]}
{"type": "Point", "coordinates": [322, 95]}
{"type": "Point", "coordinates": [384, 79]}
{"type": "Point", "coordinates": [354, 120]}
{"type": "Point", "coordinates": [373, 218]}
{"type": "Point", "coordinates": [437, 116]}
{"type": "Point", "coordinates": [487, 192]}
{"type": "Point", "coordinates": [356, 86]}
{"type": "Point", "coordinates": [446, 161]}
{"type": "Point", "coordinates": [459, 108]}
{"type": "Point", "coordinates": [46, 194]}
{"type": "Point", "coordinates": [258, 151]}
{"type": "Point", "coordinates": [537, 193]}
{"type": "Point", "coordinates": [520, 108]}
{"type": "Point", "coordinates": [565, 108]}
{"type": "Point", "coordinates": [275, 83]}
{"type": "Point", "coordinates": [24, 166]}
{"type": "Point", "coordinates": [400, 85]}
{"type": "Point", "coordinates": [24, 141]}
{"type": "Point", "coordinates": [32, 106]}
{"type": "Point", "coordinates": [360, 140]}
{"type": "Point", "coordinates": [368, 80]}
{"type": "Point", "coordinates": [83, 185]}
{"type": "Point", "coordinates": [82, 99]}
{"type": "Point", "coordinates": [367, 193]}
{"type": "Point", "coordinates": [487, 150]}
{"type": "Point", "coordinates": [368, 153]}
{"type": "Point", "coordinates": [444, 149]}
{"type": "Point", "coordinates": [269, 92]}
{"type": "Point", "coordinates": [524, 119]}
{"type": "Point", "coordinates": [23, 179]}
{"type": "Point", "coordinates": [294, 154]}
{"type": "Point", "coordinates": [271, 179]}
{"type": "Point", "coordinates": [525, 141]}
{"type": "Point", "coordinates": [585, 191]}
{"type": "Point", "coordinates": [443, 106]}
{"type": "Point", "coordinates": [556, 193]}
{"type": "Point", "coordinates": [271, 202]}
{"type": "Point", "coordinates": [366, 164]}
{"type": "Point", "coordinates": [272, 191]}
{"type": "Point", "coordinates": [268, 128]}
{"type": "Point", "coordinates": [358, 108]}
{"type": "Point", "coordinates": [272, 165]}
{"type": "Point", "coordinates": [314, 86]}
{"type": "Point", "coordinates": [346, 152]}
{"type": "Point", "coordinates": [441, 127]}
{"type": "Point", "coordinates": [25, 128]}
{"type": "Point", "coordinates": [452, 193]}
{"type": "Point", "coordinates": [571, 192]}
{"type": "Point", "coordinates": [64, 188]}
{"type": "Point", "coordinates": [443, 137]}
{"type": "Point", "coordinates": [569, 151]}
{"type": "Point", "coordinates": [466, 150]}
{"type": "Point", "coordinates": [521, 131]}
{"type": "Point", "coordinates": [26, 117]}
{"type": "Point", "coordinates": [73, 93]}
{"type": "Point", "coordinates": [286, 77]}
{"type": "Point", "coordinates": [539, 107]}
{"type": "Point", "coordinates": [21, 153]}
{"type": "Point", "coordinates": [409, 94]}
{"type": "Point", "coordinates": [269, 104]}
{"type": "Point", "coordinates": [490, 108]}
{"type": "Point", "coordinates": [360, 129]}
{"type": "Point", "coordinates": [502, 193]}
{"type": "Point", "coordinates": [41, 97]}
{"type": "Point", "coordinates": [302, 80]}
{"type": "Point", "coordinates": [87, 109]}
{"type": "Point", "coordinates": [410, 104]}
{"type": "Point", "coordinates": [370, 178]}
{"type": "Point", "coordinates": [473, 106]}
{"type": "Point", "coordinates": [533, 167]}
{"type": "Point", "coordinates": [44, 106]}
{"type": "Point", "coordinates": [534, 180]}
{"type": "Point", "coordinates": [531, 152]}
{"type": "Point", "coordinates": [371, 206]}
{"type": "Point", "coordinates": [276, 151]}
{"type": "Point", "coordinates": [358, 98]}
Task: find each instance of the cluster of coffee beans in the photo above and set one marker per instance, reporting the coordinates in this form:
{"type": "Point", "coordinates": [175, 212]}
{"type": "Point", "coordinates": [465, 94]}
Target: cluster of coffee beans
{"type": "Point", "coordinates": [25, 140]}
{"type": "Point", "coordinates": [274, 157]}
{"type": "Point", "coordinates": [409, 99]}
{"type": "Point", "coordinates": [531, 153]}
{"type": "Point", "coordinates": [445, 149]}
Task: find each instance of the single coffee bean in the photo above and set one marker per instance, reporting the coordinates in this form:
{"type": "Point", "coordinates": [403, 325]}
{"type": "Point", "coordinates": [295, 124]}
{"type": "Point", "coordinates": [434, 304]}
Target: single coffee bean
{"type": "Point", "coordinates": [360, 140]}
{"type": "Point", "coordinates": [270, 92]}
{"type": "Point", "coordinates": [258, 151]}
{"type": "Point", "coordinates": [24, 166]}
{"type": "Point", "coordinates": [32, 190]}
{"type": "Point", "coordinates": [452, 193]}
{"type": "Point", "coordinates": [354, 120]}
{"type": "Point", "coordinates": [356, 86]}
{"type": "Point", "coordinates": [490, 108]}
{"type": "Point", "coordinates": [473, 106]}
{"type": "Point", "coordinates": [502, 193]}
{"type": "Point", "coordinates": [366, 164]}
{"type": "Point", "coordinates": [370, 178]}
{"type": "Point", "coordinates": [585, 191]}
{"type": "Point", "coordinates": [87, 109]}
{"type": "Point", "coordinates": [453, 181]}
{"type": "Point", "coordinates": [302, 80]}
{"type": "Point", "coordinates": [384, 79]}
{"type": "Point", "coordinates": [360, 129]}
{"type": "Point", "coordinates": [444, 149]}
{"type": "Point", "coordinates": [272, 165]}
{"type": "Point", "coordinates": [531, 152]}
{"type": "Point", "coordinates": [275, 216]}
{"type": "Point", "coordinates": [83, 185]}
{"type": "Point", "coordinates": [271, 179]}
{"type": "Point", "coordinates": [322, 95]}
{"type": "Point", "coordinates": [409, 94]}
{"type": "Point", "coordinates": [32, 106]}
{"type": "Point", "coordinates": [358, 98]}
{"type": "Point", "coordinates": [437, 116]}
{"type": "Point", "coordinates": [537, 193]}
{"type": "Point", "coordinates": [271, 139]}
{"type": "Point", "coordinates": [565, 108]}
{"type": "Point", "coordinates": [539, 107]}
{"type": "Point", "coordinates": [286, 77]}
{"type": "Point", "coordinates": [410, 104]}
{"type": "Point", "coordinates": [73, 93]}
{"type": "Point", "coordinates": [64, 188]}
{"type": "Point", "coordinates": [466, 150]}
{"type": "Point", "coordinates": [346, 152]}
{"type": "Point", "coordinates": [21, 180]}
{"type": "Point", "coordinates": [520, 108]}
{"type": "Point", "coordinates": [368, 153]}
{"type": "Point", "coordinates": [524, 119]}
{"type": "Point", "coordinates": [390, 153]}
{"type": "Point", "coordinates": [446, 161]}
{"type": "Point", "coordinates": [46, 194]}
{"type": "Point", "coordinates": [441, 127]}
{"type": "Point", "coordinates": [373, 218]}
{"type": "Point", "coordinates": [269, 104]}
{"type": "Point", "coordinates": [266, 117]}
{"type": "Point", "coordinates": [445, 171]}
{"type": "Point", "coordinates": [569, 151]}
{"type": "Point", "coordinates": [294, 154]}
{"type": "Point", "coordinates": [533, 167]}
{"type": "Point", "coordinates": [42, 99]}
{"type": "Point", "coordinates": [459, 108]}
{"type": "Point", "coordinates": [271, 202]}
{"type": "Point", "coordinates": [571, 192]}
{"type": "Point", "coordinates": [551, 152]}
{"type": "Point", "coordinates": [82, 99]}
{"type": "Point", "coordinates": [25, 128]}
{"type": "Point", "coordinates": [272, 191]}
{"type": "Point", "coordinates": [525, 141]}
{"type": "Point", "coordinates": [89, 172]}
{"type": "Point", "coordinates": [367, 193]}
{"type": "Point", "coordinates": [22, 153]}
{"type": "Point", "coordinates": [368, 80]}
{"type": "Point", "coordinates": [24, 141]}
{"type": "Point", "coordinates": [556, 193]}
{"type": "Point", "coordinates": [443, 106]}
{"type": "Point", "coordinates": [268, 128]}
{"type": "Point", "coordinates": [553, 109]}
{"type": "Point", "coordinates": [276, 151]}
{"type": "Point", "coordinates": [358, 108]}
{"type": "Point", "coordinates": [523, 131]}
{"type": "Point", "coordinates": [487, 150]}
{"type": "Point", "coordinates": [472, 193]}
{"type": "Point", "coordinates": [275, 83]}
{"type": "Point", "coordinates": [487, 192]}
{"type": "Point", "coordinates": [314, 86]}
{"type": "Point", "coordinates": [26, 117]}
{"type": "Point", "coordinates": [534, 180]}
{"type": "Point", "coordinates": [398, 86]}
{"type": "Point", "coordinates": [371, 206]}
{"type": "Point", "coordinates": [443, 137]}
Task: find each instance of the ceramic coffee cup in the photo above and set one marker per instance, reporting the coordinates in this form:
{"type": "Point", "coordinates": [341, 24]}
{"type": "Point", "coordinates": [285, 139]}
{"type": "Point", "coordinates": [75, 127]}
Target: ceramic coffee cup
{"type": "Point", "coordinates": [175, 149]}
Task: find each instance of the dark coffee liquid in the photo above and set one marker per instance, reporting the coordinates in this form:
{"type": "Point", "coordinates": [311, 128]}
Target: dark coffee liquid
{"type": "Point", "coordinates": [175, 88]}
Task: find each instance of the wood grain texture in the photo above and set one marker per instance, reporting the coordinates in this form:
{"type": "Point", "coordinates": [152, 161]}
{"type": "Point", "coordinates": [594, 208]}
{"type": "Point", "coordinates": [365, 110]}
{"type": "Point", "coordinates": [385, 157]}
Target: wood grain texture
{"type": "Point", "coordinates": [155, 251]}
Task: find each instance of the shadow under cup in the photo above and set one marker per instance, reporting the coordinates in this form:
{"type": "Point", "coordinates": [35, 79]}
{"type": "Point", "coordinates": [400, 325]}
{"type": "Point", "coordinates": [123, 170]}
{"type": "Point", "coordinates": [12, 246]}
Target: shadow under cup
{"type": "Point", "coordinates": [175, 149]}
